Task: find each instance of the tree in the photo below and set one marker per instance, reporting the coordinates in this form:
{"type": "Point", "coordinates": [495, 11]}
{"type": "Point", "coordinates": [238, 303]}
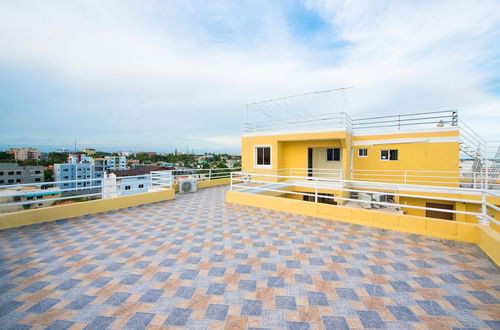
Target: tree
{"type": "Point", "coordinates": [6, 156]}
{"type": "Point", "coordinates": [48, 175]}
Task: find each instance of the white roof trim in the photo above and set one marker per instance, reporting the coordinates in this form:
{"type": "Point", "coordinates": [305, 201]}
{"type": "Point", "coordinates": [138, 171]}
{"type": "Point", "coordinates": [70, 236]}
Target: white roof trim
{"type": "Point", "coordinates": [447, 139]}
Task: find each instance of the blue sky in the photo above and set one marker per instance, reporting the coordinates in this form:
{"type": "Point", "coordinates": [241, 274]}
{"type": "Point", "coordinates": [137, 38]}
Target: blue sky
{"type": "Point", "coordinates": [160, 75]}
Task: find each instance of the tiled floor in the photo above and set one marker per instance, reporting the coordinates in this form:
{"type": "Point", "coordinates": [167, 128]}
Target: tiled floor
{"type": "Point", "coordinates": [197, 262]}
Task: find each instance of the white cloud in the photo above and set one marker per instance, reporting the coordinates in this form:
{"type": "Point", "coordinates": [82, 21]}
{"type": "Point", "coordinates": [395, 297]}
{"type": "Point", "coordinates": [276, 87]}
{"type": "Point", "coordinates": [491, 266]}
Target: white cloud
{"type": "Point", "coordinates": [152, 72]}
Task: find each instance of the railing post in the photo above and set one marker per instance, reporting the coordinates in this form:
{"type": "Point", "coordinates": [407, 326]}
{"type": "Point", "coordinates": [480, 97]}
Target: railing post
{"type": "Point", "coordinates": [231, 181]}
{"type": "Point", "coordinates": [473, 180]}
{"type": "Point", "coordinates": [483, 221]}
{"type": "Point", "coordinates": [316, 191]}
{"type": "Point", "coordinates": [209, 174]}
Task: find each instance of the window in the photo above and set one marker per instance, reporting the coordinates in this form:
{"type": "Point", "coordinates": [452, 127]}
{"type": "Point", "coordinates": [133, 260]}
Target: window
{"type": "Point", "coordinates": [18, 173]}
{"type": "Point", "coordinates": [37, 179]}
{"type": "Point", "coordinates": [65, 170]}
{"type": "Point", "coordinates": [1, 181]}
{"type": "Point", "coordinates": [263, 156]}
{"type": "Point", "coordinates": [17, 198]}
{"type": "Point", "coordinates": [11, 181]}
{"type": "Point", "coordinates": [30, 198]}
{"type": "Point", "coordinates": [65, 184]}
{"type": "Point", "coordinates": [363, 152]}
{"type": "Point", "coordinates": [11, 173]}
{"type": "Point", "coordinates": [1, 173]}
{"type": "Point", "coordinates": [39, 197]}
{"type": "Point", "coordinates": [37, 172]}
{"type": "Point", "coordinates": [141, 186]}
{"type": "Point", "coordinates": [127, 187]}
{"type": "Point", "coordinates": [65, 176]}
{"type": "Point", "coordinates": [389, 154]}
{"type": "Point", "coordinates": [18, 180]}
{"type": "Point", "coordinates": [333, 154]}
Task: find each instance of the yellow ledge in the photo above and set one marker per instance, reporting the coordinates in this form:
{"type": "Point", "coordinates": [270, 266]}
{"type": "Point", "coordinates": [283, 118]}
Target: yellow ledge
{"type": "Point", "coordinates": [57, 212]}
{"type": "Point", "coordinates": [207, 183]}
{"type": "Point", "coordinates": [487, 239]}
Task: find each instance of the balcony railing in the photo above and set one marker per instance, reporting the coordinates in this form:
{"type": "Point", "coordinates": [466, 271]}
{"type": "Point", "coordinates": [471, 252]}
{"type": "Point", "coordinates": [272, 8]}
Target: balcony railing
{"type": "Point", "coordinates": [204, 174]}
{"type": "Point", "coordinates": [258, 182]}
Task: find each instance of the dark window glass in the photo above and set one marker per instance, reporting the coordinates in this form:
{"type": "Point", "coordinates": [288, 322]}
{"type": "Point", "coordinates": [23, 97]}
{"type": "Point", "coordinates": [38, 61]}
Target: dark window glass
{"type": "Point", "coordinates": [263, 155]}
{"type": "Point", "coordinates": [333, 154]}
{"type": "Point", "coordinates": [127, 187]}
{"type": "Point", "coordinates": [389, 154]}
{"type": "Point", "coordinates": [11, 173]}
{"type": "Point", "coordinates": [37, 179]}
{"type": "Point", "coordinates": [18, 172]}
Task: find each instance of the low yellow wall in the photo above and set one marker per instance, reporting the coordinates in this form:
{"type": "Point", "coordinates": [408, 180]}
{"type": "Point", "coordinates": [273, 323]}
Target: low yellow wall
{"type": "Point", "coordinates": [487, 238]}
{"type": "Point", "coordinates": [207, 183]}
{"type": "Point", "coordinates": [28, 217]}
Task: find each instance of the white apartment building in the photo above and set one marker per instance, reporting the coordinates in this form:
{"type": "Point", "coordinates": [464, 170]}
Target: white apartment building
{"type": "Point", "coordinates": [116, 163]}
{"type": "Point", "coordinates": [71, 172]}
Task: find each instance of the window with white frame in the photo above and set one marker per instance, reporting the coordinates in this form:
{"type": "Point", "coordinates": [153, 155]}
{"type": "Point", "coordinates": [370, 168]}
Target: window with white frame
{"type": "Point", "coordinates": [127, 187]}
{"type": "Point", "coordinates": [390, 154]}
{"type": "Point", "coordinates": [333, 154]}
{"type": "Point", "coordinates": [362, 152]}
{"type": "Point", "coordinates": [263, 156]}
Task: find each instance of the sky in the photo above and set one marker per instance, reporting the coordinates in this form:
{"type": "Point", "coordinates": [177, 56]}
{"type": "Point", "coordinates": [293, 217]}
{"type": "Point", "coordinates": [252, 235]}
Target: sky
{"type": "Point", "coordinates": [155, 75]}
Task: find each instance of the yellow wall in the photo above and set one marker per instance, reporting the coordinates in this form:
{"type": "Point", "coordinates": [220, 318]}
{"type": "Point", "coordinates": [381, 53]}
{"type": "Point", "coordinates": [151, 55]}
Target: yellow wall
{"type": "Point", "coordinates": [57, 212]}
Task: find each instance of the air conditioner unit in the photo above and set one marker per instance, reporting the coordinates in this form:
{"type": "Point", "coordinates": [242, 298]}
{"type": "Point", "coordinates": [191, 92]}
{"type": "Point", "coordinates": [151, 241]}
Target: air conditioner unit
{"type": "Point", "coordinates": [187, 186]}
{"type": "Point", "coordinates": [365, 200]}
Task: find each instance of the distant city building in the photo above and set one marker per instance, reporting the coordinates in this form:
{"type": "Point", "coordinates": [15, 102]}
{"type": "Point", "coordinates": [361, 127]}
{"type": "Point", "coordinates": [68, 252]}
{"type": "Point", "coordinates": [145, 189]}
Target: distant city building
{"type": "Point", "coordinates": [12, 173]}
{"type": "Point", "coordinates": [100, 165]}
{"type": "Point", "coordinates": [30, 193]}
{"type": "Point", "coordinates": [133, 163]}
{"type": "Point", "coordinates": [125, 153]}
{"type": "Point", "coordinates": [62, 150]}
{"type": "Point", "coordinates": [151, 153]}
{"type": "Point", "coordinates": [128, 182]}
{"type": "Point", "coordinates": [79, 158]}
{"type": "Point", "coordinates": [89, 151]}
{"type": "Point", "coordinates": [72, 172]}
{"type": "Point", "coordinates": [116, 163]}
{"type": "Point", "coordinates": [24, 153]}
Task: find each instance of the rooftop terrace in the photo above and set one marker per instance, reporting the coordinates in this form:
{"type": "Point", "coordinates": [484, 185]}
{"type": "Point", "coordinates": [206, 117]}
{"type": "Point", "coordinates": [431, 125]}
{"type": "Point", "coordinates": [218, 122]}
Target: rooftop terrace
{"type": "Point", "coordinates": [199, 262]}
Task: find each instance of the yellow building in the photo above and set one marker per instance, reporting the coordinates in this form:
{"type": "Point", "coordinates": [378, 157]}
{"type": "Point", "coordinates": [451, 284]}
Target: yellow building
{"type": "Point", "coordinates": [427, 164]}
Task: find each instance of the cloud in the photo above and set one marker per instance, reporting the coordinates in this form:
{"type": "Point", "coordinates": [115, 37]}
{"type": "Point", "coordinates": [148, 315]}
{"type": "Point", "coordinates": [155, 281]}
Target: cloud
{"type": "Point", "coordinates": [166, 73]}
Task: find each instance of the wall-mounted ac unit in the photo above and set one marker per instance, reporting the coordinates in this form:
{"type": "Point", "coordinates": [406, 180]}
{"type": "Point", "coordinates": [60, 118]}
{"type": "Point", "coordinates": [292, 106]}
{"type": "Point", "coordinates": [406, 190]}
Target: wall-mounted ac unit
{"type": "Point", "coordinates": [187, 186]}
{"type": "Point", "coordinates": [365, 200]}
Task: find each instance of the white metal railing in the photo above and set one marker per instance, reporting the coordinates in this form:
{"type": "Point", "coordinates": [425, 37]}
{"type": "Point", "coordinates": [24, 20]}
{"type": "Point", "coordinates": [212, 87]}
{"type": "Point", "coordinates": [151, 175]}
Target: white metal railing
{"type": "Point", "coordinates": [204, 174]}
{"type": "Point", "coordinates": [257, 182]}
{"type": "Point", "coordinates": [108, 186]}
{"type": "Point", "coordinates": [420, 119]}
{"type": "Point", "coordinates": [332, 121]}
{"type": "Point", "coordinates": [464, 179]}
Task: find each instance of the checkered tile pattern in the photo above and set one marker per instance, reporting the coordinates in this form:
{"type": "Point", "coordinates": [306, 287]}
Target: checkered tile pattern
{"type": "Point", "coordinates": [199, 263]}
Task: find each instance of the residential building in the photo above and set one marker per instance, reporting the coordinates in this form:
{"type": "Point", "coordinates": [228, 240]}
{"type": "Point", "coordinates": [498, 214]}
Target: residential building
{"type": "Point", "coordinates": [116, 163]}
{"type": "Point", "coordinates": [89, 151]}
{"type": "Point", "coordinates": [33, 194]}
{"type": "Point", "coordinates": [409, 160]}
{"type": "Point", "coordinates": [79, 158]}
{"type": "Point", "coordinates": [78, 175]}
{"type": "Point", "coordinates": [99, 166]}
{"type": "Point", "coordinates": [24, 153]}
{"type": "Point", "coordinates": [129, 182]}
{"type": "Point", "coordinates": [12, 173]}
{"type": "Point", "coordinates": [125, 153]}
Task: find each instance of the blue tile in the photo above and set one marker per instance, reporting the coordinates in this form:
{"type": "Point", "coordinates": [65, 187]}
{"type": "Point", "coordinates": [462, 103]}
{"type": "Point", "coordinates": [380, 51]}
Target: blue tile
{"type": "Point", "coordinates": [100, 282]}
{"type": "Point", "coordinates": [67, 285]}
{"type": "Point", "coordinates": [275, 282]}
{"type": "Point", "coordinates": [263, 254]}
{"type": "Point", "coordinates": [43, 305]}
{"type": "Point", "coordinates": [286, 302]}
{"type": "Point", "coordinates": [87, 268]}
{"type": "Point", "coordinates": [371, 319]}
{"type": "Point", "coordinates": [243, 269]}
{"type": "Point", "coordinates": [303, 278]}
{"type": "Point", "coordinates": [178, 317]}
{"type": "Point", "coordinates": [354, 272]}
{"type": "Point", "coordinates": [329, 275]}
{"type": "Point", "coordinates": [100, 322]}
{"type": "Point", "coordinates": [335, 323]}
{"type": "Point", "coordinates": [185, 292]}
{"type": "Point", "coordinates": [317, 298]}
{"type": "Point", "coordinates": [347, 293]}
{"type": "Point", "coordinates": [316, 261]}
{"type": "Point", "coordinates": [189, 274]}
{"type": "Point", "coordinates": [193, 260]}
{"type": "Point", "coordinates": [247, 285]}
{"type": "Point", "coordinates": [241, 256]}
{"type": "Point", "coordinates": [377, 270]}
{"type": "Point", "coordinates": [167, 262]}
{"type": "Point", "coordinates": [131, 279]}
{"type": "Point", "coordinates": [460, 303]}
{"type": "Point", "coordinates": [400, 267]}
{"type": "Point", "coordinates": [471, 275]}
{"type": "Point", "coordinates": [374, 290]}
{"type": "Point", "coordinates": [484, 297]}
{"type": "Point", "coordinates": [431, 307]}
{"type": "Point", "coordinates": [252, 307]}
{"type": "Point", "coordinates": [493, 324]}
{"type": "Point", "coordinates": [401, 286]}
{"type": "Point", "coordinates": [216, 289]}
{"type": "Point", "coordinates": [114, 266]}
{"type": "Point", "coordinates": [117, 299]}
{"type": "Point", "coordinates": [402, 313]}
{"type": "Point", "coordinates": [217, 271]}
{"type": "Point", "coordinates": [449, 279]}
{"type": "Point", "coordinates": [60, 325]}
{"type": "Point", "coordinates": [292, 325]}
{"type": "Point", "coordinates": [216, 312]}
{"type": "Point", "coordinates": [151, 296]}
{"type": "Point", "coordinates": [217, 258]}
{"type": "Point", "coordinates": [142, 264]}
{"type": "Point", "coordinates": [80, 302]}
{"type": "Point", "coordinates": [9, 306]}
{"type": "Point", "coordinates": [35, 287]}
{"type": "Point", "coordinates": [140, 320]}
{"type": "Point", "coordinates": [426, 282]}
{"type": "Point", "coordinates": [339, 259]}
{"type": "Point", "coordinates": [268, 266]}
{"type": "Point", "coordinates": [162, 276]}
{"type": "Point", "coordinates": [293, 264]}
